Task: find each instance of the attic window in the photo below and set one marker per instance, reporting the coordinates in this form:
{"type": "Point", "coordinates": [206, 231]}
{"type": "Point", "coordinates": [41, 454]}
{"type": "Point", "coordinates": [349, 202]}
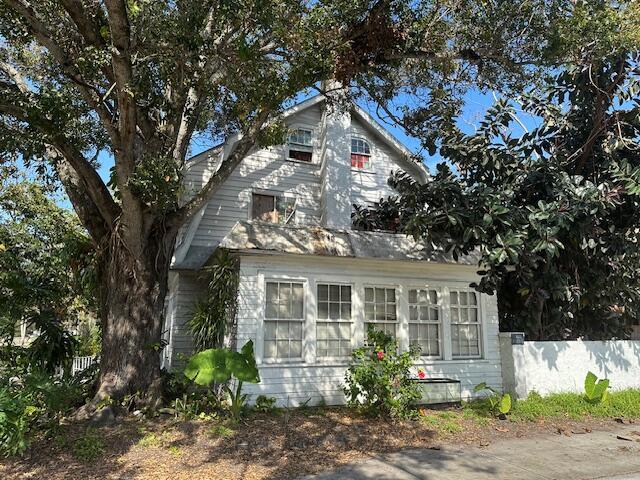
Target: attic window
{"type": "Point", "coordinates": [300, 146]}
{"type": "Point", "coordinates": [360, 154]}
{"type": "Point", "coordinates": [273, 208]}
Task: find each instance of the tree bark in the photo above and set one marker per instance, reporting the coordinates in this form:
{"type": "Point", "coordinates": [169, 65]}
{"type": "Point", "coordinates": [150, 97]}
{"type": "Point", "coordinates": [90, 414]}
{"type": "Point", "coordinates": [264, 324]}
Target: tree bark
{"type": "Point", "coordinates": [132, 294]}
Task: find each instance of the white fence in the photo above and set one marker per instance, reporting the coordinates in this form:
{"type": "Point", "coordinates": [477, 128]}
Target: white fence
{"type": "Point", "coordinates": [551, 367]}
{"type": "Point", "coordinates": [80, 363]}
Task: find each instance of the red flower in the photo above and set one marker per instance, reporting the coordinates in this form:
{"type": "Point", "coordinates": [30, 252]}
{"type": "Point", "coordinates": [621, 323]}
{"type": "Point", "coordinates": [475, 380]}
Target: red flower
{"type": "Point", "coordinates": [421, 374]}
{"type": "Point", "coordinates": [380, 355]}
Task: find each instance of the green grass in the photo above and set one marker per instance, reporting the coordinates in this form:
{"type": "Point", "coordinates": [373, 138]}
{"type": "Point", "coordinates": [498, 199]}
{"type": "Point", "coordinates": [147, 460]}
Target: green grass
{"type": "Point", "coordinates": [625, 403]}
{"type": "Point", "coordinates": [222, 431]}
{"type": "Point", "coordinates": [445, 422]}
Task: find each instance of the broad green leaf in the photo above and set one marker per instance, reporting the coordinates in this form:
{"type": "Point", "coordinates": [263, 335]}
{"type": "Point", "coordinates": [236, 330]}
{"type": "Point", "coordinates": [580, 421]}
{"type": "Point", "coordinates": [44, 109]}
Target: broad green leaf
{"type": "Point", "coordinates": [208, 366]}
{"type": "Point", "coordinates": [505, 404]}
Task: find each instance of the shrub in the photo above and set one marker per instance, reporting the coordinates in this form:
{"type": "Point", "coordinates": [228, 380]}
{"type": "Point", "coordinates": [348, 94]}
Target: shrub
{"type": "Point", "coordinates": [378, 380]}
{"type": "Point", "coordinates": [36, 400]}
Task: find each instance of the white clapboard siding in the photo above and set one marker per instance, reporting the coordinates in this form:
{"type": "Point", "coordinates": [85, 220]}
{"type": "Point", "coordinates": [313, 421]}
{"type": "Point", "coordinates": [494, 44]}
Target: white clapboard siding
{"type": "Point", "coordinates": [369, 187]}
{"type": "Point", "coordinates": [264, 169]}
{"type": "Point", "coordinates": [187, 289]}
{"type": "Point", "coordinates": [320, 382]}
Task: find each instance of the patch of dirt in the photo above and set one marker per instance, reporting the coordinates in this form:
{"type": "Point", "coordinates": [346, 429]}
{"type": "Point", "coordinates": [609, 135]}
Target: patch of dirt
{"type": "Point", "coordinates": [278, 445]}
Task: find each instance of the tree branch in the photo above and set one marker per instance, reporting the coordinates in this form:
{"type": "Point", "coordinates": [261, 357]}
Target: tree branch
{"type": "Point", "coordinates": [89, 93]}
{"type": "Point", "coordinates": [123, 73]}
{"type": "Point", "coordinates": [228, 165]}
{"type": "Point", "coordinates": [84, 206]}
{"type": "Point", "coordinates": [93, 184]}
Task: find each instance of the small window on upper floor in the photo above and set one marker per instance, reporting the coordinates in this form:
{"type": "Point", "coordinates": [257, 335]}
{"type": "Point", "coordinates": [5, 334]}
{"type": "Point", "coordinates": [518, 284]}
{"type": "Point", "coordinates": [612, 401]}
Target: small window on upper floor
{"type": "Point", "coordinates": [273, 208]}
{"type": "Point", "coordinates": [360, 154]}
{"type": "Point", "coordinates": [300, 145]}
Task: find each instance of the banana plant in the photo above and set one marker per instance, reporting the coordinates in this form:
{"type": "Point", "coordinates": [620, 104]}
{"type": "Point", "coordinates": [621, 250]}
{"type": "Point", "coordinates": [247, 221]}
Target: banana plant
{"type": "Point", "coordinates": [500, 403]}
{"type": "Point", "coordinates": [595, 390]}
{"type": "Point", "coordinates": [221, 365]}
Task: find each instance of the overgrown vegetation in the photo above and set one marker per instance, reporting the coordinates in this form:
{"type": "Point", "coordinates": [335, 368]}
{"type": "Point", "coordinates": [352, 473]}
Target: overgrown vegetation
{"type": "Point", "coordinates": [37, 401]}
{"type": "Point", "coordinates": [378, 382]}
{"type": "Point", "coordinates": [214, 315]}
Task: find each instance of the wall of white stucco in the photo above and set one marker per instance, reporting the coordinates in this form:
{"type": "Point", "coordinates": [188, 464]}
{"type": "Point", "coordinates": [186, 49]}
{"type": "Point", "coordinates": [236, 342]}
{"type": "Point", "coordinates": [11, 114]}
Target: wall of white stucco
{"type": "Point", "coordinates": [551, 367]}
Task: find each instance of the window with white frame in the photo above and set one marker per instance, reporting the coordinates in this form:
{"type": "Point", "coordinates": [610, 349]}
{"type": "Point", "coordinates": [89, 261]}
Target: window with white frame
{"type": "Point", "coordinates": [465, 324]}
{"type": "Point", "coordinates": [425, 321]}
{"type": "Point", "coordinates": [333, 327]}
{"type": "Point", "coordinates": [380, 309]}
{"type": "Point", "coordinates": [283, 320]}
{"type": "Point", "coordinates": [360, 154]}
{"type": "Point", "coordinates": [273, 208]}
{"type": "Point", "coordinates": [300, 145]}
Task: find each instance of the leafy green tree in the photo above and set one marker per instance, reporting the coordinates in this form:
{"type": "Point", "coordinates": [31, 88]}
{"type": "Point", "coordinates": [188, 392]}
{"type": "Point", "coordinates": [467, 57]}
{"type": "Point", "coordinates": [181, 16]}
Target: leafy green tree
{"type": "Point", "coordinates": [138, 79]}
{"type": "Point", "coordinates": [44, 253]}
{"type": "Point", "coordinates": [553, 212]}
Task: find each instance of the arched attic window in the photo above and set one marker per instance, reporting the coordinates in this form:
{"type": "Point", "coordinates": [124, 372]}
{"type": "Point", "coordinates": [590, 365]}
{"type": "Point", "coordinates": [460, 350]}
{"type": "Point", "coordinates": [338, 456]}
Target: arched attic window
{"type": "Point", "coordinates": [360, 154]}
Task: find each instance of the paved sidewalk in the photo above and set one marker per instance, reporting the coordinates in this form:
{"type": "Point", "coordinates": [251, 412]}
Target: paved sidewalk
{"type": "Point", "coordinates": [596, 455]}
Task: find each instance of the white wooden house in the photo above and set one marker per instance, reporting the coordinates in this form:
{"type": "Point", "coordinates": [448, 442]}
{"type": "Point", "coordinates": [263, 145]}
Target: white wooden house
{"type": "Point", "coordinates": [309, 283]}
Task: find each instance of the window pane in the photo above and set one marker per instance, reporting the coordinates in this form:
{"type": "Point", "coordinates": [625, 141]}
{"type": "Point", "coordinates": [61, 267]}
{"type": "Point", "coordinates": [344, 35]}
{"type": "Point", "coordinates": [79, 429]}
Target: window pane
{"type": "Point", "coordinates": [334, 311]}
{"type": "Point", "coordinates": [413, 296]}
{"type": "Point", "coordinates": [369, 311]}
{"type": "Point", "coordinates": [345, 293]}
{"type": "Point", "coordinates": [472, 298]}
{"type": "Point", "coordinates": [270, 349]}
{"type": "Point", "coordinates": [272, 292]}
{"type": "Point", "coordinates": [323, 310]}
{"type": "Point", "coordinates": [391, 295]}
{"type": "Point", "coordinates": [272, 310]}
{"type": "Point", "coordinates": [263, 207]}
{"type": "Point", "coordinates": [296, 349]}
{"type": "Point", "coordinates": [433, 296]}
{"type": "Point", "coordinates": [301, 155]}
{"type": "Point", "coordinates": [346, 311]}
{"type": "Point", "coordinates": [323, 292]}
{"type": "Point", "coordinates": [295, 330]}
{"type": "Point", "coordinates": [368, 294]}
{"type": "Point", "coordinates": [334, 293]}
{"type": "Point", "coordinates": [454, 298]}
{"type": "Point", "coordinates": [270, 330]}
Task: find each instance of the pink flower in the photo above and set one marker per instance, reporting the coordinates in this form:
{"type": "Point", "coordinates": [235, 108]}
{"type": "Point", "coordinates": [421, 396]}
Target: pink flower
{"type": "Point", "coordinates": [380, 355]}
{"type": "Point", "coordinates": [421, 374]}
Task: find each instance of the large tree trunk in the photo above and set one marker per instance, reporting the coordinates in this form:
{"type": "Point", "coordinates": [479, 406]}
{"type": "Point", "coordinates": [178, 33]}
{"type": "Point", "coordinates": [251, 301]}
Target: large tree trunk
{"type": "Point", "coordinates": [133, 290]}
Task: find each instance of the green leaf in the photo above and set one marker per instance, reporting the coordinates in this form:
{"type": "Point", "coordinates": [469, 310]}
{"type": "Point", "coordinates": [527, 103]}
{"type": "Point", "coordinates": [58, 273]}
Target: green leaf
{"type": "Point", "coordinates": [208, 366]}
{"type": "Point", "coordinates": [590, 384]}
{"type": "Point", "coordinates": [504, 406]}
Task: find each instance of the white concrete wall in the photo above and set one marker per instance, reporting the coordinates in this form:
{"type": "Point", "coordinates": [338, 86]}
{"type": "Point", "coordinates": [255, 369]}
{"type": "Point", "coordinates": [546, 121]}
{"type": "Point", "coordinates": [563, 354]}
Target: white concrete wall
{"type": "Point", "coordinates": [552, 367]}
{"type": "Point", "coordinates": [320, 380]}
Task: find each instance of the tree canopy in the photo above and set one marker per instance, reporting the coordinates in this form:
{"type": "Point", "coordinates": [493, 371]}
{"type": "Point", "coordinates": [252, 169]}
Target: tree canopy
{"type": "Point", "coordinates": [553, 211]}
